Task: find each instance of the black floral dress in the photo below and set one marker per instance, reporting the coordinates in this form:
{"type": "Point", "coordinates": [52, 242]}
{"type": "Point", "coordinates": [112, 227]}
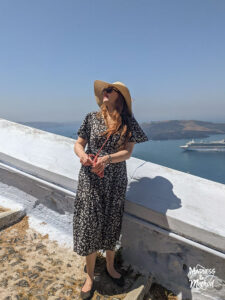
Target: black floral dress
{"type": "Point", "coordinates": [99, 202]}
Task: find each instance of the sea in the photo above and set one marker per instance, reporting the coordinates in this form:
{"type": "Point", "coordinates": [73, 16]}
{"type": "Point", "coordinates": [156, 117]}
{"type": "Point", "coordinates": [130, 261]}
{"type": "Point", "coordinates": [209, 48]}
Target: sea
{"type": "Point", "coordinates": [207, 164]}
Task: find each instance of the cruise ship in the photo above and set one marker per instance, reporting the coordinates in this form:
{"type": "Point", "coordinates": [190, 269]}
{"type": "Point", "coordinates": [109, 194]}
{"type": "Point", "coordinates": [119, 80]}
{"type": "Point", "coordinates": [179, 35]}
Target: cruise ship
{"type": "Point", "coordinates": [205, 146]}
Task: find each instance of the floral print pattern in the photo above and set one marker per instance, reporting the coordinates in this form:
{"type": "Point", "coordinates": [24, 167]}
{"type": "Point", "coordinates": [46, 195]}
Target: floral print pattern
{"type": "Point", "coordinates": [99, 202]}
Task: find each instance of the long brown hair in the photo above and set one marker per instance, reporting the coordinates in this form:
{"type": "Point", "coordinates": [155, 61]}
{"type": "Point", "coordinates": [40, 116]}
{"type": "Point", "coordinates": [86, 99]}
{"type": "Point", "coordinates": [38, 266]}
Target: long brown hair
{"type": "Point", "coordinates": [121, 120]}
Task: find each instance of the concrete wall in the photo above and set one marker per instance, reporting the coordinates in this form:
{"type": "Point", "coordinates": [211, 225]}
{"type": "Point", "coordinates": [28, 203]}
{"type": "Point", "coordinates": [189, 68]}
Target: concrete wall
{"type": "Point", "coordinates": [173, 221]}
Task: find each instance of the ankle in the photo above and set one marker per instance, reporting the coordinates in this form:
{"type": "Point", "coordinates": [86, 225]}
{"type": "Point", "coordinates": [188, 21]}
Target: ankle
{"type": "Point", "coordinates": [110, 267]}
{"type": "Point", "coordinates": [90, 278]}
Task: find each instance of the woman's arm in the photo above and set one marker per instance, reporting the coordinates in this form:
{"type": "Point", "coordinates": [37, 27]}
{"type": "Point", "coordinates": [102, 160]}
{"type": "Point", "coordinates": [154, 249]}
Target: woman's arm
{"type": "Point", "coordinates": [123, 154]}
{"type": "Point", "coordinates": [79, 147]}
{"type": "Point", "coordinates": [115, 158]}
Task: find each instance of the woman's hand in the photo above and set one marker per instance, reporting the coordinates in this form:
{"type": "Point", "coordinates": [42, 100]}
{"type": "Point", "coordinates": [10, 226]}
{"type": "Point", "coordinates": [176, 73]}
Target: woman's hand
{"type": "Point", "coordinates": [85, 160]}
{"type": "Point", "coordinates": [100, 165]}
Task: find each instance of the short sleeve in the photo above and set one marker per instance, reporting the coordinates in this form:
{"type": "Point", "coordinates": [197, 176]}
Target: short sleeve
{"type": "Point", "coordinates": [84, 130]}
{"type": "Point", "coordinates": [137, 133]}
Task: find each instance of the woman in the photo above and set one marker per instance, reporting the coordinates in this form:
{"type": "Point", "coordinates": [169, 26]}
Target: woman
{"type": "Point", "coordinates": [99, 203]}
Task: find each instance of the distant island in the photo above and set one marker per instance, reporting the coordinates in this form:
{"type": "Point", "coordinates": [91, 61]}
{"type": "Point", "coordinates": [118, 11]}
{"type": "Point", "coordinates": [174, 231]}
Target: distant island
{"type": "Point", "coordinates": [181, 129]}
{"type": "Point", "coordinates": [155, 130]}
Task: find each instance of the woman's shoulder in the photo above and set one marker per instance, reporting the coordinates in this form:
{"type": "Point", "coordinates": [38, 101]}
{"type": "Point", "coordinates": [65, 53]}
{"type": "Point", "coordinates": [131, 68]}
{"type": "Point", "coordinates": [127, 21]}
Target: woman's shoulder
{"type": "Point", "coordinates": [91, 116]}
{"type": "Point", "coordinates": [95, 114]}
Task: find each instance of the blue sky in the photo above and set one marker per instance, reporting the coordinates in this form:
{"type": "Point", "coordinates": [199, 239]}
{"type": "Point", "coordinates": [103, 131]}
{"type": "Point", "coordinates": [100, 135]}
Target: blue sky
{"type": "Point", "coordinates": [170, 54]}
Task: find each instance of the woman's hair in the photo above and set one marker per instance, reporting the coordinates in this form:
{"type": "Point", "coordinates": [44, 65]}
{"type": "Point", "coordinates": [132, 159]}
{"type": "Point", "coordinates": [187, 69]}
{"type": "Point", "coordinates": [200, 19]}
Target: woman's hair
{"type": "Point", "coordinates": [121, 120]}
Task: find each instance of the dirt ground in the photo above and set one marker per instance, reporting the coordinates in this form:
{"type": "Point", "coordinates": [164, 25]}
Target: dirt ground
{"type": "Point", "coordinates": [34, 267]}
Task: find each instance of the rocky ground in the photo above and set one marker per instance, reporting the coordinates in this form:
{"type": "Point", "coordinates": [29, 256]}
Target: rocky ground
{"type": "Point", "coordinates": [34, 267]}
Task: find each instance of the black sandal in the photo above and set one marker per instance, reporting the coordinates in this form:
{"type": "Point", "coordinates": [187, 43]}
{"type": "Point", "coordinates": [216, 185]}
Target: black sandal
{"type": "Point", "coordinates": [118, 281]}
{"type": "Point", "coordinates": [89, 294]}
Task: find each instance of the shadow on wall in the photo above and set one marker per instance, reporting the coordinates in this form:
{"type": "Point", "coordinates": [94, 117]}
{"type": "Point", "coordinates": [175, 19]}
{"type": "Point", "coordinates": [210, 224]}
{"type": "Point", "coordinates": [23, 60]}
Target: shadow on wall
{"type": "Point", "coordinates": [160, 255]}
{"type": "Point", "coordinates": [156, 194]}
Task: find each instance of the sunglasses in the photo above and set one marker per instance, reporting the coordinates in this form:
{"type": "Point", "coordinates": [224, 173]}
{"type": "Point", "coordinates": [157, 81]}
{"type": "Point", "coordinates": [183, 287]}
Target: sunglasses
{"type": "Point", "coordinates": [109, 90]}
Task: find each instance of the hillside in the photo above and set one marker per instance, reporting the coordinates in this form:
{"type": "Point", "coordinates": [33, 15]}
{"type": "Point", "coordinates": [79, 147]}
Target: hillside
{"type": "Point", "coordinates": [181, 129]}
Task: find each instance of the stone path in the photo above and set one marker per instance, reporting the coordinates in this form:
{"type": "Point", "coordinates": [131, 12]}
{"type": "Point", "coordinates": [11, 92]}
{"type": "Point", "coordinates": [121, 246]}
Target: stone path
{"type": "Point", "coordinates": [34, 267]}
{"type": "Point", "coordinates": [158, 292]}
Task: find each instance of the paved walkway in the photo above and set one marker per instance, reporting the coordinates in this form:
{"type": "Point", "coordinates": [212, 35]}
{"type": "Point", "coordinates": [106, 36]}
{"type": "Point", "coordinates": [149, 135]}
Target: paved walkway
{"type": "Point", "coordinates": [34, 267]}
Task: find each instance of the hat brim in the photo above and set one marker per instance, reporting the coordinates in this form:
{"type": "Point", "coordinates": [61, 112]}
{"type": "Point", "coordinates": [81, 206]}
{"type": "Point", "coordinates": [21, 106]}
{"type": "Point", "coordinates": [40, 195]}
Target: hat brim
{"type": "Point", "coordinates": [99, 85]}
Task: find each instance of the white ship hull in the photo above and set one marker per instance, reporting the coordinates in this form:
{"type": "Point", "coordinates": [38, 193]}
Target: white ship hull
{"type": "Point", "coordinates": [218, 146]}
{"type": "Point", "coordinates": [204, 149]}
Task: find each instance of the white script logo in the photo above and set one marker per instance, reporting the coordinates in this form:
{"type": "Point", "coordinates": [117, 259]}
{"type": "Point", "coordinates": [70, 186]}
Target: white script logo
{"type": "Point", "coordinates": [201, 278]}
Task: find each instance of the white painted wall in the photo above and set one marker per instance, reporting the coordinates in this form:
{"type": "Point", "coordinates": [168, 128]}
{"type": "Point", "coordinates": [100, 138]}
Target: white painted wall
{"type": "Point", "coordinates": [39, 172]}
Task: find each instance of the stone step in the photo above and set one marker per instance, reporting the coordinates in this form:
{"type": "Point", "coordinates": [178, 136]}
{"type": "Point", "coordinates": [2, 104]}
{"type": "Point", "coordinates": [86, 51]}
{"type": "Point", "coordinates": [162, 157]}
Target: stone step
{"type": "Point", "coordinates": [140, 287]}
{"type": "Point", "coordinates": [9, 217]}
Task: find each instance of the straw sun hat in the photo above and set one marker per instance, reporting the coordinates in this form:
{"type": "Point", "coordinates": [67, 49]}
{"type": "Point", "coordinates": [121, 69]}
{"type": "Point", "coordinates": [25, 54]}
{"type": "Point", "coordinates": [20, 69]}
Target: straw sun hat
{"type": "Point", "coordinates": [99, 85]}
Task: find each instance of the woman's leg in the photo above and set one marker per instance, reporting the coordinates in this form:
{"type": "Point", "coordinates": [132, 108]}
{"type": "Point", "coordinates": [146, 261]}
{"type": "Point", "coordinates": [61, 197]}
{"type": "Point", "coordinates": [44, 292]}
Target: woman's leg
{"type": "Point", "coordinates": [90, 265]}
{"type": "Point", "coordinates": [110, 254]}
